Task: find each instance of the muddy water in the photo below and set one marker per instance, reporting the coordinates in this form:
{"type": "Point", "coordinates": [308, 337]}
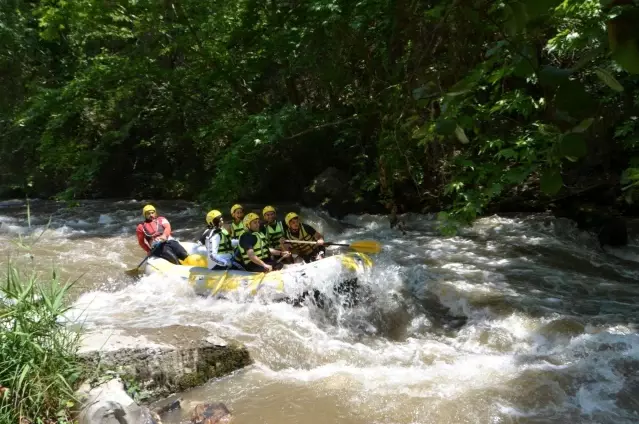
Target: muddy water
{"type": "Point", "coordinates": [516, 320]}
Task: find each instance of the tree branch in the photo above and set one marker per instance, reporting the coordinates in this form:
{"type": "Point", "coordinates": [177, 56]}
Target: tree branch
{"type": "Point", "coordinates": [319, 127]}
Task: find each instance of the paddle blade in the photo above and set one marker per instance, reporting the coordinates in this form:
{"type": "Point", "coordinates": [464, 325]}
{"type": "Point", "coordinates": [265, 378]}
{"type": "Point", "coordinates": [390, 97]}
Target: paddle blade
{"type": "Point", "coordinates": [366, 246]}
{"type": "Point", "coordinates": [134, 272]}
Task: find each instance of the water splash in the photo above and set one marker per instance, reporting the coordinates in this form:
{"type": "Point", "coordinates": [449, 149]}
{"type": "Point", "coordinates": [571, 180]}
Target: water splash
{"type": "Point", "coordinates": [520, 319]}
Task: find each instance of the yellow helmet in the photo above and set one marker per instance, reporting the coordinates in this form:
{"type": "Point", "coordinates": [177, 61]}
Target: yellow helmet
{"type": "Point", "coordinates": [235, 207]}
{"type": "Point", "coordinates": [147, 209]}
{"type": "Point", "coordinates": [268, 209]}
{"type": "Point", "coordinates": [212, 215]}
{"type": "Point", "coordinates": [249, 218]}
{"type": "Point", "coordinates": [290, 216]}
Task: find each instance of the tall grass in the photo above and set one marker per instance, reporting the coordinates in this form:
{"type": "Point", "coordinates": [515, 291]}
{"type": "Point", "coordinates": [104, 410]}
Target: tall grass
{"type": "Point", "coordinates": [39, 366]}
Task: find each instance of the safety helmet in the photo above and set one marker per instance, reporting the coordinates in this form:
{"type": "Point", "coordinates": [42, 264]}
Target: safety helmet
{"type": "Point", "coordinates": [212, 215]}
{"type": "Point", "coordinates": [235, 207]}
{"type": "Point", "coordinates": [268, 209]}
{"type": "Point", "coordinates": [290, 216]}
{"type": "Point", "coordinates": [249, 218]}
{"type": "Point", "coordinates": [147, 209]}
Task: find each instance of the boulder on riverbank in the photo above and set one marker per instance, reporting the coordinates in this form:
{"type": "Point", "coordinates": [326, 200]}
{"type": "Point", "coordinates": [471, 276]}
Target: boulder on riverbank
{"type": "Point", "coordinates": [154, 368]}
{"type": "Point", "coordinates": [109, 403]}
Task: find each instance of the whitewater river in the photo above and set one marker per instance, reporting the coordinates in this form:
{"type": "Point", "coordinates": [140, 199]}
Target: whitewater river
{"type": "Point", "coordinates": [515, 320]}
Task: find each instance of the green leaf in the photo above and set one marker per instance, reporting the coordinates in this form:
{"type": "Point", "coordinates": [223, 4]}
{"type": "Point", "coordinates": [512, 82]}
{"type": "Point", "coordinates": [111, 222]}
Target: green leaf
{"type": "Point", "coordinates": [526, 63]}
{"type": "Point", "coordinates": [508, 154]}
{"type": "Point", "coordinates": [583, 125]}
{"type": "Point", "coordinates": [516, 18]}
{"type": "Point", "coordinates": [627, 56]}
{"type": "Point", "coordinates": [572, 98]}
{"type": "Point", "coordinates": [573, 145]}
{"type": "Point", "coordinates": [540, 7]}
{"type": "Point", "coordinates": [551, 181]}
{"type": "Point", "coordinates": [623, 39]}
{"type": "Point", "coordinates": [445, 126]}
{"type": "Point", "coordinates": [496, 48]}
{"type": "Point", "coordinates": [551, 76]}
{"type": "Point", "coordinates": [608, 79]}
{"type": "Point", "coordinates": [463, 86]}
{"type": "Point", "coordinates": [461, 135]}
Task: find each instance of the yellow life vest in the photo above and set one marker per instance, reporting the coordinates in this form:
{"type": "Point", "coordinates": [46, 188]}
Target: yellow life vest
{"type": "Point", "coordinates": [260, 248]}
{"type": "Point", "coordinates": [225, 241]}
{"type": "Point", "coordinates": [237, 230]}
{"type": "Point", "coordinates": [300, 249]}
{"type": "Point", "coordinates": [273, 235]}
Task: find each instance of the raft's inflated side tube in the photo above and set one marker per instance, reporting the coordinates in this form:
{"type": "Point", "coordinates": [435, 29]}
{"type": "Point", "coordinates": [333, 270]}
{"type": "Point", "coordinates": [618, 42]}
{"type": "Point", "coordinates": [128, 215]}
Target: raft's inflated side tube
{"type": "Point", "coordinates": [293, 280]}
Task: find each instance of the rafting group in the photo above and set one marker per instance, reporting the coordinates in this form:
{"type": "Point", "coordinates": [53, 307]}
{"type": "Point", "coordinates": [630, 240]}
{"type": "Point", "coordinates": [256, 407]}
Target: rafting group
{"type": "Point", "coordinates": [246, 244]}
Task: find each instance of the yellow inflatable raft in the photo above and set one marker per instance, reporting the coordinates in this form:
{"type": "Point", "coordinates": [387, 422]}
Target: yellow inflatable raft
{"type": "Point", "coordinates": [291, 282]}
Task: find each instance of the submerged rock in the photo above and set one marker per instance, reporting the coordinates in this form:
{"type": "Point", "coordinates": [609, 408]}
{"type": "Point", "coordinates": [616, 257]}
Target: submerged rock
{"type": "Point", "coordinates": [210, 413]}
{"type": "Point", "coordinates": [155, 370]}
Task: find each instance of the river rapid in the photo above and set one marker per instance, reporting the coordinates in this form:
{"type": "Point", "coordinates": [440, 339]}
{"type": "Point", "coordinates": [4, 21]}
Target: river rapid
{"type": "Point", "coordinates": [515, 320]}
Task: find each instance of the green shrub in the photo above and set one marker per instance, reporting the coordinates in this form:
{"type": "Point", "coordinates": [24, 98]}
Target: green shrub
{"type": "Point", "coordinates": [39, 366]}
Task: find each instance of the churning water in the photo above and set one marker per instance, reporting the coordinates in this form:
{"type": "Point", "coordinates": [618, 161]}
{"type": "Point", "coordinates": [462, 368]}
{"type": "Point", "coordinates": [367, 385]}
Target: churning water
{"type": "Point", "coordinates": [518, 319]}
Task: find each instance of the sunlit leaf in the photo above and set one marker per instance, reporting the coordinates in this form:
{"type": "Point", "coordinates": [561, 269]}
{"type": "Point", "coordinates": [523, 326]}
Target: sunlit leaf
{"type": "Point", "coordinates": [461, 135]}
{"type": "Point", "coordinates": [608, 79]}
{"type": "Point", "coordinates": [583, 125]}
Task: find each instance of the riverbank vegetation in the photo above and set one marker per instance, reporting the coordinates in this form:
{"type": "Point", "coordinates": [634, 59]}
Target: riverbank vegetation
{"type": "Point", "coordinates": [39, 366]}
{"type": "Point", "coordinates": [462, 106]}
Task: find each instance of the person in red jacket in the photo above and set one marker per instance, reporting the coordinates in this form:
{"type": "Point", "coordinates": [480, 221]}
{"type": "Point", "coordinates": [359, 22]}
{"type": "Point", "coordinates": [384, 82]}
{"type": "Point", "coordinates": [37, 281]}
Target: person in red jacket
{"type": "Point", "coordinates": [154, 236]}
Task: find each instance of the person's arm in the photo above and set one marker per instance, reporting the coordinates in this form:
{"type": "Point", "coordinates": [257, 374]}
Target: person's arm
{"type": "Point", "coordinates": [247, 241]}
{"type": "Point", "coordinates": [280, 252]}
{"type": "Point", "coordinates": [139, 232]}
{"type": "Point", "coordinates": [314, 233]}
{"type": "Point", "coordinates": [167, 229]}
{"type": "Point", "coordinates": [253, 257]}
{"type": "Point", "coordinates": [214, 245]}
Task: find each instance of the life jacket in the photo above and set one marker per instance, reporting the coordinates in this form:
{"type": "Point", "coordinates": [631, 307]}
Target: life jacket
{"type": "Point", "coordinates": [151, 233]}
{"type": "Point", "coordinates": [205, 235]}
{"type": "Point", "coordinates": [260, 248]}
{"type": "Point", "coordinates": [301, 249]}
{"type": "Point", "coordinates": [237, 230]}
{"type": "Point", "coordinates": [273, 235]}
{"type": "Point", "coordinates": [225, 241]}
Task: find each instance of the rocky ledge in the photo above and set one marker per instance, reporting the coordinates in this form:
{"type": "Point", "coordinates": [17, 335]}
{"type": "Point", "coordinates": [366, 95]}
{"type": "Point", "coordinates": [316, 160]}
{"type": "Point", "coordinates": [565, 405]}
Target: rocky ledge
{"type": "Point", "coordinates": [152, 364]}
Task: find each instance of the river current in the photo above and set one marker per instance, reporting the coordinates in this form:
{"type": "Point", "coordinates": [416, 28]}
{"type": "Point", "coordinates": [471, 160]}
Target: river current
{"type": "Point", "coordinates": [520, 319]}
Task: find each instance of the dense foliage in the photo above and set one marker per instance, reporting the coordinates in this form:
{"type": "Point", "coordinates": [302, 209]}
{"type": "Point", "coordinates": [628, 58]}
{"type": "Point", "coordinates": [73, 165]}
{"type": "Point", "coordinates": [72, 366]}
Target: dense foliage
{"type": "Point", "coordinates": [39, 367]}
{"type": "Point", "coordinates": [454, 105]}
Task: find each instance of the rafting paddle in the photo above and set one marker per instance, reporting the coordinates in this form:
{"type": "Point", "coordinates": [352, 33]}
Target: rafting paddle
{"type": "Point", "coordinates": [362, 246]}
{"type": "Point", "coordinates": [133, 272]}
